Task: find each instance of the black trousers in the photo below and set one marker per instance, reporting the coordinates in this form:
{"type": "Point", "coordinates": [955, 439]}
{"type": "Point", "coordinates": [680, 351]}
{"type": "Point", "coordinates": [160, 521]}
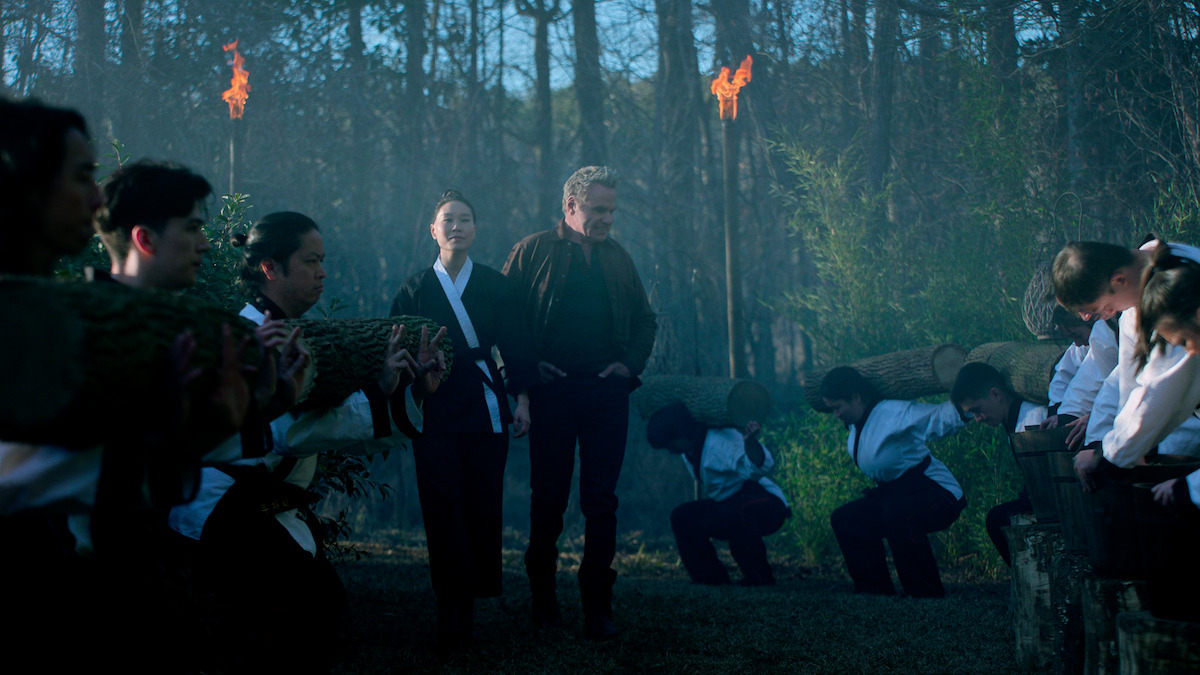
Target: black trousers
{"type": "Point", "coordinates": [904, 512]}
{"type": "Point", "coordinates": [593, 413]}
{"type": "Point", "coordinates": [743, 519]}
{"type": "Point", "coordinates": [277, 608]}
{"type": "Point", "coordinates": [460, 480]}
{"type": "Point", "coordinates": [999, 517]}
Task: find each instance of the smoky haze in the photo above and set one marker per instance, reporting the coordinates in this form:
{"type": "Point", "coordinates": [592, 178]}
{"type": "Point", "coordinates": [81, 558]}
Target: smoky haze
{"type": "Point", "coordinates": [899, 172]}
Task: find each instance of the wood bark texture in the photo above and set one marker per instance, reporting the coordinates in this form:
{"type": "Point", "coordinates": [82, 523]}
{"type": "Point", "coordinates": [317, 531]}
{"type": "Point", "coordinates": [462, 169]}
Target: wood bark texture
{"type": "Point", "coordinates": [900, 375]}
{"type": "Point", "coordinates": [1103, 600]}
{"type": "Point", "coordinates": [1150, 645]}
{"type": "Point", "coordinates": [713, 401]}
{"type": "Point", "coordinates": [78, 355]}
{"type": "Point", "coordinates": [1027, 366]}
{"type": "Point", "coordinates": [1032, 545]}
{"type": "Point", "coordinates": [348, 353]}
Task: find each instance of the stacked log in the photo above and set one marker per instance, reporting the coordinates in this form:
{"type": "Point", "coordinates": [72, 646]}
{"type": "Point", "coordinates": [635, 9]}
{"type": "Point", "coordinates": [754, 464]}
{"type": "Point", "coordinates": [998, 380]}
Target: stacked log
{"type": "Point", "coordinates": [713, 401]}
{"type": "Point", "coordinates": [904, 375]}
{"type": "Point", "coordinates": [1028, 367]}
{"type": "Point", "coordinates": [77, 356]}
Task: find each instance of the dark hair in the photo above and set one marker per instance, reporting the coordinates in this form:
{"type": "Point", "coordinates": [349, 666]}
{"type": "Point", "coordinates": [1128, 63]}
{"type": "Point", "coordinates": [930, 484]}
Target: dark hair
{"type": "Point", "coordinates": [843, 382]}
{"type": "Point", "coordinates": [1170, 289]}
{"type": "Point", "coordinates": [146, 193]}
{"type": "Point", "coordinates": [975, 380]}
{"type": "Point", "coordinates": [1082, 271]}
{"type": "Point", "coordinates": [448, 196]}
{"type": "Point", "coordinates": [33, 146]}
{"type": "Point", "coordinates": [1065, 319]}
{"type": "Point", "coordinates": [276, 236]}
{"type": "Point", "coordinates": [671, 422]}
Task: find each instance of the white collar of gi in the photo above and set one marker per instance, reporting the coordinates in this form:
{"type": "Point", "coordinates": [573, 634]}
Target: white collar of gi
{"type": "Point", "coordinates": [464, 275]}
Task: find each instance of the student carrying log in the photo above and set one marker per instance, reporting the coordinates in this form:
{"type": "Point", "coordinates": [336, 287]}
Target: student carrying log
{"type": "Point", "coordinates": [740, 503]}
{"type": "Point", "coordinates": [981, 392]}
{"type": "Point", "coordinates": [76, 513]}
{"type": "Point", "coordinates": [915, 493]}
{"type": "Point", "coordinates": [257, 544]}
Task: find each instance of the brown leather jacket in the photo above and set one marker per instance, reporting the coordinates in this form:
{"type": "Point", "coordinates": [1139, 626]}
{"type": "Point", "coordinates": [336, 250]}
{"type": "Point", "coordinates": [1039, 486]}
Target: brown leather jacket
{"type": "Point", "coordinates": [538, 267]}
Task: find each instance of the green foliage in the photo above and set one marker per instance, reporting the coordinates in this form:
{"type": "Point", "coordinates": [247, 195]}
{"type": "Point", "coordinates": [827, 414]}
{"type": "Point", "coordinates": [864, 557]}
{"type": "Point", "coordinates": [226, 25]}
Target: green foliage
{"type": "Point", "coordinates": [980, 458]}
{"type": "Point", "coordinates": [1176, 214]}
{"type": "Point", "coordinates": [848, 313]}
{"type": "Point", "coordinates": [349, 475]}
{"type": "Point", "coordinates": [817, 474]}
{"type": "Point", "coordinates": [219, 279]}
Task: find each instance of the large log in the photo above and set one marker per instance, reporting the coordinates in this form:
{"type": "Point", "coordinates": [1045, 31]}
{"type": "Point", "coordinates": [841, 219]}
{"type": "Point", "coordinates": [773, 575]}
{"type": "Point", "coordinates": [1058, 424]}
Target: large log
{"type": "Point", "coordinates": [1027, 366]}
{"type": "Point", "coordinates": [714, 401]}
{"type": "Point", "coordinates": [348, 353]}
{"type": "Point", "coordinates": [905, 375]}
{"type": "Point", "coordinates": [75, 357]}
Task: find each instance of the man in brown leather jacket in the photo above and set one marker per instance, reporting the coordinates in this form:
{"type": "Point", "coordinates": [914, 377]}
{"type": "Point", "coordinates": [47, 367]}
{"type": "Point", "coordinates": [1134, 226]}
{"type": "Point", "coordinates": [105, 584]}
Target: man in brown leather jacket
{"type": "Point", "coordinates": [593, 331]}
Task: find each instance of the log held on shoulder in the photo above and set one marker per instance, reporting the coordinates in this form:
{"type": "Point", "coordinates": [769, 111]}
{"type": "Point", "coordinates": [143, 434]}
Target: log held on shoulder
{"type": "Point", "coordinates": [714, 401]}
{"type": "Point", "coordinates": [903, 375]}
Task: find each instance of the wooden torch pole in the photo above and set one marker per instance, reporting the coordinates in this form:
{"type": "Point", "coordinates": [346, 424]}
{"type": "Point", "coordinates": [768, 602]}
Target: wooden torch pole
{"type": "Point", "coordinates": [733, 284]}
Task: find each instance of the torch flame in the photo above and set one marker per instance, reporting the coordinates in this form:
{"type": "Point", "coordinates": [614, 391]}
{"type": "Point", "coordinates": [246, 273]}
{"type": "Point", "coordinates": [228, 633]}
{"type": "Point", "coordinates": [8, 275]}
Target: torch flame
{"type": "Point", "coordinates": [726, 90]}
{"type": "Point", "coordinates": [236, 95]}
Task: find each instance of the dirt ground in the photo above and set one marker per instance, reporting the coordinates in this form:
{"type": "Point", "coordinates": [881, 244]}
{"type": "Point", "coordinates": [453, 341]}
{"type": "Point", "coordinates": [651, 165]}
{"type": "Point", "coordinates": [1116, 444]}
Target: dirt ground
{"type": "Point", "coordinates": [811, 622]}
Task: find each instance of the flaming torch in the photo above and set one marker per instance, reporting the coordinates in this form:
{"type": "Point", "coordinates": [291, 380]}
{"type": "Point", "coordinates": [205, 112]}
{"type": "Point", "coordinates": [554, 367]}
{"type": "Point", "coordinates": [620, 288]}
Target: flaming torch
{"type": "Point", "coordinates": [726, 90]}
{"type": "Point", "coordinates": [236, 96]}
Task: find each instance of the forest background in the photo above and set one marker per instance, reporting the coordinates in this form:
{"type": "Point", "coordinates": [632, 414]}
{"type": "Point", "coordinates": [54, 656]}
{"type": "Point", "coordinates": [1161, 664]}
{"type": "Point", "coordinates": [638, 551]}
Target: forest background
{"type": "Point", "coordinates": [904, 167]}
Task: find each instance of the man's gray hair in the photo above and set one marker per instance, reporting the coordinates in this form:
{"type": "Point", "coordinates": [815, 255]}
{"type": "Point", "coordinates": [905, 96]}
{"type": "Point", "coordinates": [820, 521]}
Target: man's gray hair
{"type": "Point", "coordinates": [579, 182]}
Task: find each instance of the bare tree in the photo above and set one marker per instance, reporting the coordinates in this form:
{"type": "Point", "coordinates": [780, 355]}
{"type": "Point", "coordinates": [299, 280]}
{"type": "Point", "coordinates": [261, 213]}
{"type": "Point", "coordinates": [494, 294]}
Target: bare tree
{"type": "Point", "coordinates": [543, 12]}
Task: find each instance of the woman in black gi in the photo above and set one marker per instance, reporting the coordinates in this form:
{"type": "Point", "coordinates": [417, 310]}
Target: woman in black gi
{"type": "Point", "coordinates": [461, 455]}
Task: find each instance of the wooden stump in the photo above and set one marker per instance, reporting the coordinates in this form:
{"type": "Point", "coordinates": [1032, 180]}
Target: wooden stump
{"type": "Point", "coordinates": [1103, 600]}
{"type": "Point", "coordinates": [1033, 546]}
{"type": "Point", "coordinates": [1031, 449]}
{"type": "Point", "coordinates": [1151, 646]}
{"type": "Point", "coordinates": [1028, 366]}
{"type": "Point", "coordinates": [1068, 572]}
{"type": "Point", "coordinates": [900, 375]}
{"type": "Point", "coordinates": [713, 401]}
